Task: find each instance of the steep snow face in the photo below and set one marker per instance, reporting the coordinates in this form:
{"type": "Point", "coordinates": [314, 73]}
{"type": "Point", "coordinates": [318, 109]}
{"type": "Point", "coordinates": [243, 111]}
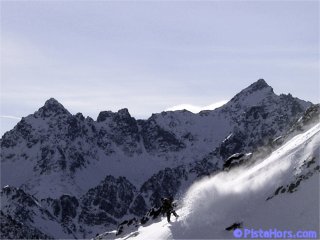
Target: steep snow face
{"type": "Point", "coordinates": [280, 192]}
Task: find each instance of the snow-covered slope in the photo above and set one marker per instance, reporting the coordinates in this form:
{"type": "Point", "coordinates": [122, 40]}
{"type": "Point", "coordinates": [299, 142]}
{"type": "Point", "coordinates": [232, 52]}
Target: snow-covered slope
{"type": "Point", "coordinates": [90, 175]}
{"type": "Point", "coordinates": [53, 152]}
{"type": "Point", "coordinates": [279, 192]}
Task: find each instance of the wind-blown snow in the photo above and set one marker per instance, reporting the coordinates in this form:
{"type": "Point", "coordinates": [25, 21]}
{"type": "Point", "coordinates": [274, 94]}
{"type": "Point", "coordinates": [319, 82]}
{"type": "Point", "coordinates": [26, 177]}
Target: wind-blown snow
{"type": "Point", "coordinates": [197, 109]}
{"type": "Point", "coordinates": [240, 195]}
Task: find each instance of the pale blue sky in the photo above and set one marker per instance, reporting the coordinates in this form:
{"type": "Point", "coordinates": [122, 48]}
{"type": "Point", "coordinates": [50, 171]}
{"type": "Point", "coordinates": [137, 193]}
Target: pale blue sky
{"type": "Point", "coordinates": [150, 56]}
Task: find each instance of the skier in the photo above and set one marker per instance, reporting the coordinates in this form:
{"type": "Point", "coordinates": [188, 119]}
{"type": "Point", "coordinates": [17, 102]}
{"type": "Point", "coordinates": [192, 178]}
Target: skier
{"type": "Point", "coordinates": [167, 207]}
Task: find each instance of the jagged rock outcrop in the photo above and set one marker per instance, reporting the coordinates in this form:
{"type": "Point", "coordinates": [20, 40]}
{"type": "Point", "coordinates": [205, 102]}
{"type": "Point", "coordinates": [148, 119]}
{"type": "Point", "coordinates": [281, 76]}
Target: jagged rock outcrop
{"type": "Point", "coordinates": [309, 167]}
{"type": "Point", "coordinates": [165, 183]}
{"type": "Point", "coordinates": [13, 229]}
{"type": "Point", "coordinates": [80, 174]}
{"type": "Point", "coordinates": [110, 200]}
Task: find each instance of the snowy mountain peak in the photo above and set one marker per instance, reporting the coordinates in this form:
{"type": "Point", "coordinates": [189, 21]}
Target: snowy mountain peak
{"type": "Point", "coordinates": [260, 84]}
{"type": "Point", "coordinates": [53, 104]}
{"type": "Point", "coordinates": [52, 108]}
{"type": "Point", "coordinates": [254, 95]}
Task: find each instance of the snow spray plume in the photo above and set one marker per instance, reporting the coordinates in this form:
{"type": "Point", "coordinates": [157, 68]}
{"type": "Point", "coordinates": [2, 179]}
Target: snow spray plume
{"type": "Point", "coordinates": [230, 195]}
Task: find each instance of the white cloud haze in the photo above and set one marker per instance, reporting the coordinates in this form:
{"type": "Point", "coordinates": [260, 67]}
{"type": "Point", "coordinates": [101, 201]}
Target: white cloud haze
{"type": "Point", "coordinates": [197, 109]}
{"type": "Point", "coordinates": [11, 117]}
{"type": "Point", "coordinates": [7, 123]}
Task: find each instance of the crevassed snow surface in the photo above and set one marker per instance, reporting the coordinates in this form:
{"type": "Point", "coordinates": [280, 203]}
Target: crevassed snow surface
{"type": "Point", "coordinates": [240, 195]}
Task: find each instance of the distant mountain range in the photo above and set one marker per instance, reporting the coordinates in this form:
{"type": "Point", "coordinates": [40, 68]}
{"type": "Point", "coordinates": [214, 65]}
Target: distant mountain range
{"type": "Point", "coordinates": [67, 176]}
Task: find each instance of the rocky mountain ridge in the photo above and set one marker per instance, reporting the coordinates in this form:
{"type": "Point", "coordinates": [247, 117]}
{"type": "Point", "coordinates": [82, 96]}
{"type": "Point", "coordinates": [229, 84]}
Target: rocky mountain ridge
{"type": "Point", "coordinates": [86, 176]}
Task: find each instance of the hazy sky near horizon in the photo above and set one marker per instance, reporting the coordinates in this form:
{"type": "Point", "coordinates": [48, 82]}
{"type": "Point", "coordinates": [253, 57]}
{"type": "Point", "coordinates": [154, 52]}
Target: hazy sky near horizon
{"type": "Point", "coordinates": [149, 56]}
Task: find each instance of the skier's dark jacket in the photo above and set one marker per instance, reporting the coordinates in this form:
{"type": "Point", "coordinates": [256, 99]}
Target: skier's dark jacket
{"type": "Point", "coordinates": [167, 205]}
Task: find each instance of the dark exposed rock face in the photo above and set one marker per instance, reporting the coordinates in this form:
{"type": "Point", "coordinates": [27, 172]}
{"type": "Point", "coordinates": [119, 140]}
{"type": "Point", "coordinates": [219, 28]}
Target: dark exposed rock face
{"type": "Point", "coordinates": [13, 229]}
{"type": "Point", "coordinates": [68, 206]}
{"type": "Point", "coordinates": [25, 203]}
{"type": "Point", "coordinates": [164, 183]}
{"type": "Point", "coordinates": [139, 206]}
{"type": "Point", "coordinates": [155, 137]}
{"type": "Point", "coordinates": [112, 195]}
{"type": "Point", "coordinates": [233, 144]}
{"type": "Point", "coordinates": [59, 145]}
{"type": "Point", "coordinates": [234, 226]}
{"type": "Point", "coordinates": [51, 108]}
{"type": "Point", "coordinates": [126, 224]}
{"type": "Point", "coordinates": [19, 195]}
{"type": "Point", "coordinates": [19, 214]}
{"type": "Point", "coordinates": [150, 216]}
{"type": "Point", "coordinates": [102, 205]}
{"type": "Point", "coordinates": [311, 116]}
{"type": "Point", "coordinates": [310, 167]}
{"type": "Point", "coordinates": [204, 167]}
{"type": "Point", "coordinates": [123, 131]}
{"type": "Point", "coordinates": [233, 160]}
